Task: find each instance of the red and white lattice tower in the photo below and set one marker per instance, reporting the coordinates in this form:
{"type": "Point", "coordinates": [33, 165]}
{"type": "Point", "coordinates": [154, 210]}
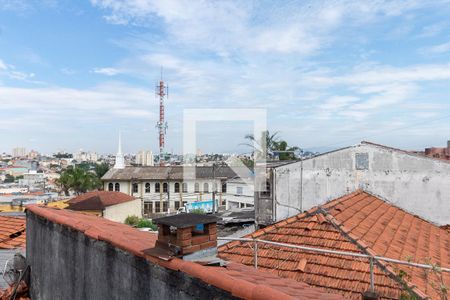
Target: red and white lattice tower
{"type": "Point", "coordinates": [161, 90]}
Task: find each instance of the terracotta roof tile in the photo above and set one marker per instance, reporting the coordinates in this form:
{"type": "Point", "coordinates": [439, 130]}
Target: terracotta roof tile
{"type": "Point", "coordinates": [354, 222]}
{"type": "Point", "coordinates": [238, 279]}
{"type": "Point", "coordinates": [98, 200]}
{"type": "Point", "coordinates": [12, 232]}
{"type": "Point", "coordinates": [395, 233]}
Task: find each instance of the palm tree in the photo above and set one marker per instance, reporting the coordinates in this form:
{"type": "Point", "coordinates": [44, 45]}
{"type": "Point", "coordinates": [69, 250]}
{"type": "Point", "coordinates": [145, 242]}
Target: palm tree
{"type": "Point", "coordinates": [269, 145]}
{"type": "Point", "coordinates": [79, 180]}
{"type": "Point", "coordinates": [263, 146]}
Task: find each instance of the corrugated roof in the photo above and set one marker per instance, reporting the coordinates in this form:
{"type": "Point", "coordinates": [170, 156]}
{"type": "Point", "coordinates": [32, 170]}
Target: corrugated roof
{"type": "Point", "coordinates": [166, 173]}
{"type": "Point", "coordinates": [98, 200]}
{"type": "Point", "coordinates": [239, 280]}
{"type": "Point", "coordinates": [352, 223]}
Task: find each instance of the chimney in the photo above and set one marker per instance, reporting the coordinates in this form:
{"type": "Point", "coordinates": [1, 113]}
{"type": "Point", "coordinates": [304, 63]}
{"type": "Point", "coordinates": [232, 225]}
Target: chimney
{"type": "Point", "coordinates": [370, 295]}
{"type": "Point", "coordinates": [184, 234]}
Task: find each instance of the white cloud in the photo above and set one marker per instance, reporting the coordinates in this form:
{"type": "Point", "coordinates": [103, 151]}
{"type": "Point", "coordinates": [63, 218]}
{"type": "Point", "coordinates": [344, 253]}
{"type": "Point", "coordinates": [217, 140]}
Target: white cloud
{"type": "Point", "coordinates": [51, 105]}
{"type": "Point", "coordinates": [11, 72]}
{"type": "Point", "coordinates": [379, 74]}
{"type": "Point", "coordinates": [436, 49]}
{"type": "Point", "coordinates": [2, 65]}
{"type": "Point", "coordinates": [106, 71]}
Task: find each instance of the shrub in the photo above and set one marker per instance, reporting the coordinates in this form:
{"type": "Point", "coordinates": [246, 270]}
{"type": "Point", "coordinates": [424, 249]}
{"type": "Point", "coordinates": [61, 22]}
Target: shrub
{"type": "Point", "coordinates": [132, 220]}
{"type": "Point", "coordinates": [144, 223]}
{"type": "Point", "coordinates": [197, 211]}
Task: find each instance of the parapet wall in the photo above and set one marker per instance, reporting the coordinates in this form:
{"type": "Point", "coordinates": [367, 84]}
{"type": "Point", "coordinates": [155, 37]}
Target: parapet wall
{"type": "Point", "coordinates": [67, 264]}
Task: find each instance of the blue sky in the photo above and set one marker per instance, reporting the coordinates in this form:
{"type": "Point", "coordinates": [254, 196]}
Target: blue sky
{"type": "Point", "coordinates": [329, 73]}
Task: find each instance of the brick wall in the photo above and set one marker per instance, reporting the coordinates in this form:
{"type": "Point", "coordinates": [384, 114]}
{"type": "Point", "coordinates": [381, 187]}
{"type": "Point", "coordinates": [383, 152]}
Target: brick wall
{"type": "Point", "coordinates": [188, 239]}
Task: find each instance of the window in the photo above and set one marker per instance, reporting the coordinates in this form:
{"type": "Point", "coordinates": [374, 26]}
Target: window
{"type": "Point", "coordinates": [157, 207]}
{"type": "Point", "coordinates": [196, 188]}
{"type": "Point", "coordinates": [224, 187]}
{"type": "Point", "coordinates": [110, 187]}
{"type": "Point", "coordinates": [177, 205]}
{"type": "Point", "coordinates": [177, 187]}
{"type": "Point", "coordinates": [135, 188]}
{"type": "Point", "coordinates": [147, 187]}
{"type": "Point", "coordinates": [267, 192]}
{"type": "Point", "coordinates": [117, 187]}
{"type": "Point", "coordinates": [157, 187]}
{"type": "Point", "coordinates": [165, 206]}
{"type": "Point", "coordinates": [206, 187]}
{"type": "Point", "coordinates": [239, 190]}
{"type": "Point", "coordinates": [165, 187]}
{"type": "Point", "coordinates": [215, 187]}
{"type": "Point", "coordinates": [185, 189]}
{"type": "Point", "coordinates": [362, 161]}
{"type": "Point", "coordinates": [148, 208]}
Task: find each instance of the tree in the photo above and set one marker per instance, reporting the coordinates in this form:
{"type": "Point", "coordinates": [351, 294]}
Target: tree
{"type": "Point", "coordinates": [264, 145]}
{"type": "Point", "coordinates": [78, 180]}
{"type": "Point", "coordinates": [9, 178]}
{"type": "Point", "coordinates": [101, 169]}
{"type": "Point", "coordinates": [269, 145]}
{"type": "Point", "coordinates": [285, 152]}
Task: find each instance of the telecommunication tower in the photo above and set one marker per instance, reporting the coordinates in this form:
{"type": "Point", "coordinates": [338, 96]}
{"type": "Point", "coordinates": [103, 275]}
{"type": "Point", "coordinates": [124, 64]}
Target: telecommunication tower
{"type": "Point", "coordinates": [162, 91]}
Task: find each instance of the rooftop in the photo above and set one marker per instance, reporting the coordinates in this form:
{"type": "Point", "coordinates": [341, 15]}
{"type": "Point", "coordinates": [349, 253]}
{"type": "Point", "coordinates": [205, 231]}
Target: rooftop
{"type": "Point", "coordinates": [185, 220]}
{"type": "Point", "coordinates": [98, 200]}
{"type": "Point", "coordinates": [361, 223]}
{"type": "Point", "coordinates": [12, 232]}
{"type": "Point", "coordinates": [166, 173]}
{"type": "Point", "coordinates": [239, 280]}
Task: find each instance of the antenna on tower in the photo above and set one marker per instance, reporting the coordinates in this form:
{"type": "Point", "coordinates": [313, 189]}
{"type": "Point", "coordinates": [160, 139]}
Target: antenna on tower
{"type": "Point", "coordinates": [162, 91]}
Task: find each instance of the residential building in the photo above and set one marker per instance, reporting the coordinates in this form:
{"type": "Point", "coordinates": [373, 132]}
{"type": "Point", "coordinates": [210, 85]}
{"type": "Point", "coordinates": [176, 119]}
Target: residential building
{"type": "Point", "coordinates": [441, 153]}
{"type": "Point", "coordinates": [76, 251]}
{"type": "Point", "coordinates": [145, 158]}
{"type": "Point", "coordinates": [33, 154]}
{"type": "Point", "coordinates": [357, 223]}
{"type": "Point", "coordinates": [416, 183]}
{"type": "Point", "coordinates": [114, 206]}
{"type": "Point", "coordinates": [32, 179]}
{"type": "Point", "coordinates": [164, 188]}
{"type": "Point", "coordinates": [239, 193]}
{"type": "Point", "coordinates": [19, 152]}
{"type": "Point", "coordinates": [85, 156]}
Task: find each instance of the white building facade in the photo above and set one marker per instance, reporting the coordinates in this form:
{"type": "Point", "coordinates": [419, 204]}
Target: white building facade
{"type": "Point", "coordinates": [239, 194]}
{"type": "Point", "coordinates": [162, 189]}
{"type": "Point", "coordinates": [415, 183]}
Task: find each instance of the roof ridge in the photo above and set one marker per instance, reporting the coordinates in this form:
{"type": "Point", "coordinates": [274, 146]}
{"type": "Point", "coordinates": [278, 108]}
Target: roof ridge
{"type": "Point", "coordinates": [385, 267]}
{"type": "Point", "coordinates": [407, 152]}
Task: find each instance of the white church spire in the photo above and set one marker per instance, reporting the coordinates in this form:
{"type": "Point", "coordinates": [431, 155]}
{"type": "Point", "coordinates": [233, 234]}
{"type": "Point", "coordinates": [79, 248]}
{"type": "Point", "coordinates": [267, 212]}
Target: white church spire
{"type": "Point", "coordinates": [120, 161]}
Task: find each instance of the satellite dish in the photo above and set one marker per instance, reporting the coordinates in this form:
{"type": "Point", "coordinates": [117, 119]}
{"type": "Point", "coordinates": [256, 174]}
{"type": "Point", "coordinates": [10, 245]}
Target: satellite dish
{"type": "Point", "coordinates": [14, 269]}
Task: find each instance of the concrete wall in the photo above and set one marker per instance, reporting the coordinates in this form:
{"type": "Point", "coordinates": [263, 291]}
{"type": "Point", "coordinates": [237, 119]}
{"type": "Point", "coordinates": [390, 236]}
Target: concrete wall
{"type": "Point", "coordinates": [417, 184]}
{"type": "Point", "coordinates": [66, 264]}
{"type": "Point", "coordinates": [119, 212]}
